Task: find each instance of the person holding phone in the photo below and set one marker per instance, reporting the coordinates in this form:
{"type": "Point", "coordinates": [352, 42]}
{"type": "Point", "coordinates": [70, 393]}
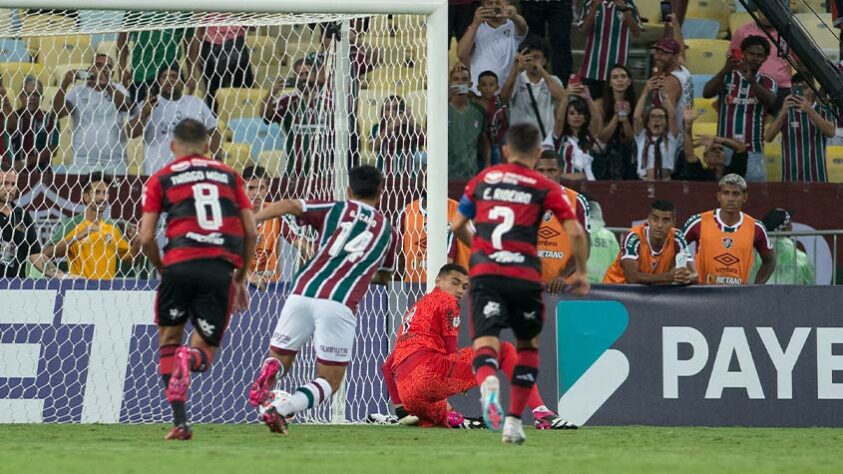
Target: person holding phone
{"type": "Point", "coordinates": [608, 26]}
{"type": "Point", "coordinates": [491, 42]}
{"type": "Point", "coordinates": [806, 124]}
{"type": "Point", "coordinates": [468, 140]}
{"type": "Point", "coordinates": [618, 160]}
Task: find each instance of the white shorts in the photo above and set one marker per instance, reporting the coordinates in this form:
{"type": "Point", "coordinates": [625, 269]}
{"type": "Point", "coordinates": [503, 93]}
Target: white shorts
{"type": "Point", "coordinates": [332, 325]}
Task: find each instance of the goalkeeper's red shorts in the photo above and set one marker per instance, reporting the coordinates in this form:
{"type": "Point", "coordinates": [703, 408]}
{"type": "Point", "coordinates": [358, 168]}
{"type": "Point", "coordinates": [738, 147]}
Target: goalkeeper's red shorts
{"type": "Point", "coordinates": [425, 388]}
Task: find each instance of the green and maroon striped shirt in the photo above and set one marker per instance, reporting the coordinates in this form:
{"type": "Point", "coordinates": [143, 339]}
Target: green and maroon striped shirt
{"type": "Point", "coordinates": [804, 146]}
{"type": "Point", "coordinates": [608, 43]}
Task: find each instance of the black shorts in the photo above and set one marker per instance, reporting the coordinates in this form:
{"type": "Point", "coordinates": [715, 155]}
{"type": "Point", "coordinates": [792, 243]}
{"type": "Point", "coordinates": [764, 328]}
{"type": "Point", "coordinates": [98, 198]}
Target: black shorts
{"type": "Point", "coordinates": [199, 290]}
{"type": "Point", "coordinates": [500, 302]}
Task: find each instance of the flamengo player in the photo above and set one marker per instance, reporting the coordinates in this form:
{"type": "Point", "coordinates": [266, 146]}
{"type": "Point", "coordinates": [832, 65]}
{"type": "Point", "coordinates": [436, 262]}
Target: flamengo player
{"type": "Point", "coordinates": [212, 235]}
{"type": "Point", "coordinates": [356, 247]}
{"type": "Point", "coordinates": [426, 368]}
{"type": "Point", "coordinates": [507, 203]}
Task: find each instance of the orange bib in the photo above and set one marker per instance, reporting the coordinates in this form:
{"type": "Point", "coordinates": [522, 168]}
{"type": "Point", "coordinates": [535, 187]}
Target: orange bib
{"type": "Point", "coordinates": [648, 262]}
{"type": "Point", "coordinates": [725, 258]}
{"type": "Point", "coordinates": [553, 245]}
{"type": "Point", "coordinates": [415, 242]}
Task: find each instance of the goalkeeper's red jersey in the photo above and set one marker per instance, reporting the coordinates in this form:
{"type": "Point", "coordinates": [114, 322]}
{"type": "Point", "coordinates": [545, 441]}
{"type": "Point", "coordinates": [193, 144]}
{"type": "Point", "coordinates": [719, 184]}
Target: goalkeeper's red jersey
{"type": "Point", "coordinates": [430, 325]}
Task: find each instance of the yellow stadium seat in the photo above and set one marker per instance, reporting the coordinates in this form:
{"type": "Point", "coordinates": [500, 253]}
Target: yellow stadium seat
{"type": "Point", "coordinates": [54, 50]}
{"type": "Point", "coordinates": [64, 152]}
{"type": "Point", "coordinates": [709, 112]}
{"type": "Point", "coordinates": [712, 9]}
{"type": "Point", "coordinates": [263, 50]}
{"type": "Point", "coordinates": [417, 103]}
{"type": "Point", "coordinates": [738, 19]}
{"type": "Point", "coordinates": [237, 155]}
{"type": "Point", "coordinates": [14, 74]}
{"type": "Point", "coordinates": [273, 161]}
{"type": "Point", "coordinates": [773, 160]}
{"type": "Point", "coordinates": [652, 12]}
{"type": "Point", "coordinates": [834, 164]}
{"type": "Point", "coordinates": [60, 70]}
{"type": "Point", "coordinates": [369, 104]}
{"type": "Point", "coordinates": [234, 103]}
{"type": "Point", "coordinates": [134, 153]}
{"type": "Point", "coordinates": [809, 6]}
{"type": "Point", "coordinates": [706, 56]}
{"type": "Point", "coordinates": [819, 29]}
{"type": "Point", "coordinates": [704, 129]}
{"type": "Point", "coordinates": [47, 97]}
{"type": "Point", "coordinates": [222, 126]}
{"type": "Point", "coordinates": [401, 80]}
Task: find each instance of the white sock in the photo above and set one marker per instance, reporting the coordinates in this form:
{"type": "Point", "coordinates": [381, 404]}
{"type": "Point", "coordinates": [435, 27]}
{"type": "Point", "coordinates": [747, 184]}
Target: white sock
{"type": "Point", "coordinates": [307, 396]}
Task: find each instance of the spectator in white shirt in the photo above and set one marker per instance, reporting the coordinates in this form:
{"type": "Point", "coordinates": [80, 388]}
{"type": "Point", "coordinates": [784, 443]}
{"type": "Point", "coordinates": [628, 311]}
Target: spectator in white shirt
{"type": "Point", "coordinates": [98, 109]}
{"type": "Point", "coordinates": [161, 112]}
{"type": "Point", "coordinates": [491, 42]}
{"type": "Point", "coordinates": [533, 93]}
{"type": "Point", "coordinates": [656, 135]}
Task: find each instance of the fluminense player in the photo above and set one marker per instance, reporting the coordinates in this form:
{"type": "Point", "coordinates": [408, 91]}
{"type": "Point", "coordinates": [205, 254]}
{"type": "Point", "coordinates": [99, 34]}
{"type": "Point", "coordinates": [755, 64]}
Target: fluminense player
{"type": "Point", "coordinates": [507, 203]}
{"type": "Point", "coordinates": [212, 235]}
{"type": "Point", "coordinates": [356, 246]}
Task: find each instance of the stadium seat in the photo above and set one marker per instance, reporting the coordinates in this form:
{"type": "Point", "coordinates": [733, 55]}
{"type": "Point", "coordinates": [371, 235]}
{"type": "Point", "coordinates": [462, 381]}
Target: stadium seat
{"type": "Point", "coordinates": [274, 162]}
{"type": "Point", "coordinates": [134, 155]}
{"type": "Point", "coordinates": [259, 135]}
{"type": "Point", "coordinates": [401, 80]}
{"type": "Point", "coordinates": [706, 56]}
{"type": "Point", "coordinates": [47, 97]}
{"type": "Point", "coordinates": [700, 28]}
{"type": "Point", "coordinates": [222, 126]}
{"type": "Point", "coordinates": [650, 11]}
{"type": "Point", "coordinates": [718, 10]}
{"type": "Point", "coordinates": [704, 129]}
{"type": "Point", "coordinates": [369, 103]}
{"type": "Point", "coordinates": [738, 19]}
{"type": "Point", "coordinates": [700, 80]}
{"type": "Point", "coordinates": [60, 70]}
{"type": "Point", "coordinates": [13, 51]}
{"type": "Point", "coordinates": [54, 50]}
{"type": "Point", "coordinates": [237, 155]}
{"type": "Point", "coordinates": [64, 152]}
{"type": "Point", "coordinates": [834, 164]}
{"type": "Point", "coordinates": [417, 102]}
{"type": "Point", "coordinates": [234, 102]}
{"type": "Point", "coordinates": [809, 6]}
{"type": "Point", "coordinates": [773, 161]}
{"type": "Point", "coordinates": [13, 74]}
{"type": "Point", "coordinates": [108, 47]}
{"type": "Point", "coordinates": [709, 112]}
{"type": "Point", "coordinates": [819, 29]}
{"type": "Point", "coordinates": [262, 50]}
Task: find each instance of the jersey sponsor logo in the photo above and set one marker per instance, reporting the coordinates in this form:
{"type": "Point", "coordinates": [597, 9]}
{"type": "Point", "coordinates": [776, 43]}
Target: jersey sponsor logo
{"type": "Point", "coordinates": [337, 351]}
{"type": "Point", "coordinates": [548, 233]}
{"type": "Point", "coordinates": [491, 309]}
{"type": "Point", "coordinates": [215, 238]}
{"type": "Point", "coordinates": [548, 215]}
{"type": "Point", "coordinates": [551, 254]}
{"type": "Point", "coordinates": [507, 195]}
{"type": "Point", "coordinates": [205, 327]}
{"type": "Point", "coordinates": [504, 256]}
{"type": "Point", "coordinates": [456, 321]}
{"type": "Point", "coordinates": [722, 280]}
{"type": "Point", "coordinates": [727, 259]}
{"type": "Point", "coordinates": [728, 242]}
{"type": "Point", "coordinates": [493, 177]}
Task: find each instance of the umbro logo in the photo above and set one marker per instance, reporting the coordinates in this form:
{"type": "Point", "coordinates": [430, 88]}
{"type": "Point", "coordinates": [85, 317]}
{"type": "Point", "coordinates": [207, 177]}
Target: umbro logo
{"type": "Point", "coordinates": [548, 233]}
{"type": "Point", "coordinates": [727, 259]}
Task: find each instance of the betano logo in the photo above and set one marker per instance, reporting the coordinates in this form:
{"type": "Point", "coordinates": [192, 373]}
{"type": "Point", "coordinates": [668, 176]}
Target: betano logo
{"type": "Point", "coordinates": [589, 371]}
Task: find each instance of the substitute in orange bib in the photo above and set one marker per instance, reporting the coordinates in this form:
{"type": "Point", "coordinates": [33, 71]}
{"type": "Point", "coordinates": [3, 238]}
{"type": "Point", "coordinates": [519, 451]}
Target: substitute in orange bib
{"type": "Point", "coordinates": [654, 252]}
{"type": "Point", "coordinates": [414, 241]}
{"type": "Point", "coordinates": [553, 245]}
{"type": "Point", "coordinates": [725, 238]}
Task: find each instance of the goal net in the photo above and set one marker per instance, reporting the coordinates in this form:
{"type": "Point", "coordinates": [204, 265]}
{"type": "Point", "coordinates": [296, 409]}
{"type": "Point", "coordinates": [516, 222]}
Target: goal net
{"type": "Point", "coordinates": [89, 102]}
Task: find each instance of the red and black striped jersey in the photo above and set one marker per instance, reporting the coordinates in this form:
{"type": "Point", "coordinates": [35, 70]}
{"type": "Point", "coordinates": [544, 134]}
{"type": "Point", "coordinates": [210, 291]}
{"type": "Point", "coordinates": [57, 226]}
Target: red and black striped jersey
{"type": "Point", "coordinates": [203, 200]}
{"type": "Point", "coordinates": [507, 203]}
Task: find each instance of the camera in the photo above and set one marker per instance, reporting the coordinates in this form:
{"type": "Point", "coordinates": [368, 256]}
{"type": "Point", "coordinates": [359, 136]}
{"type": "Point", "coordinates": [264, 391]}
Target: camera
{"type": "Point", "coordinates": [498, 12]}
{"type": "Point", "coordinates": [667, 9]}
{"type": "Point", "coordinates": [83, 75]}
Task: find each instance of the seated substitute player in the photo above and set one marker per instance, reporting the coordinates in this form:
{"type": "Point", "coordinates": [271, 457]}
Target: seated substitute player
{"type": "Point", "coordinates": [507, 203]}
{"type": "Point", "coordinates": [356, 246]}
{"type": "Point", "coordinates": [725, 238]}
{"type": "Point", "coordinates": [425, 367]}
{"type": "Point", "coordinates": [650, 250]}
{"type": "Point", "coordinates": [212, 235]}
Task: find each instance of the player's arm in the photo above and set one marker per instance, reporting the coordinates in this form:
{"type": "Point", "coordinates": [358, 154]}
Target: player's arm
{"type": "Point", "coordinates": [579, 248]}
{"type": "Point", "coordinates": [250, 240]}
{"type": "Point", "coordinates": [149, 222]}
{"type": "Point", "coordinates": [765, 249]}
{"type": "Point", "coordinates": [634, 275]}
{"type": "Point", "coordinates": [460, 228]}
{"type": "Point", "coordinates": [280, 208]}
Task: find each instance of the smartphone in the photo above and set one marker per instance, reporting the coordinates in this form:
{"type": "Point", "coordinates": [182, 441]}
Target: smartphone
{"type": "Point", "coordinates": [575, 79]}
{"type": "Point", "coordinates": [737, 53]}
{"type": "Point", "coordinates": [460, 89]}
{"type": "Point", "coordinates": [798, 91]}
{"type": "Point", "coordinates": [498, 12]}
{"type": "Point", "coordinates": [83, 75]}
{"type": "Point", "coordinates": [667, 9]}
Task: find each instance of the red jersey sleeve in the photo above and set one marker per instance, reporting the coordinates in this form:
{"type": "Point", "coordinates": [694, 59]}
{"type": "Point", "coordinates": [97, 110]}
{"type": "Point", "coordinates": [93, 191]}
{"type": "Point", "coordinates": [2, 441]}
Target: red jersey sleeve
{"type": "Point", "coordinates": [152, 199]}
{"type": "Point", "coordinates": [558, 204]}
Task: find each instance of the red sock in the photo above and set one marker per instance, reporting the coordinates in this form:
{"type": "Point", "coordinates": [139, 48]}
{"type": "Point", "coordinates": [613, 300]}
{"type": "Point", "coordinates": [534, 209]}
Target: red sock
{"type": "Point", "coordinates": [485, 363]}
{"type": "Point", "coordinates": [523, 380]}
{"type": "Point", "coordinates": [200, 359]}
{"type": "Point", "coordinates": [166, 359]}
{"type": "Point", "coordinates": [508, 358]}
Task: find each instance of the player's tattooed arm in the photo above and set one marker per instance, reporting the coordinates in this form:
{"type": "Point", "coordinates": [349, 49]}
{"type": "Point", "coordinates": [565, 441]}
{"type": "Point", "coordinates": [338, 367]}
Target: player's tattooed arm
{"type": "Point", "coordinates": [149, 223]}
{"type": "Point", "coordinates": [460, 228]}
{"type": "Point", "coordinates": [280, 208]}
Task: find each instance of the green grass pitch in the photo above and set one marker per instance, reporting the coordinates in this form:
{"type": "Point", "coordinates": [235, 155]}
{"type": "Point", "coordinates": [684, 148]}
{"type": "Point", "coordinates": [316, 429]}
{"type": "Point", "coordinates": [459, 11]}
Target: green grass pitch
{"type": "Point", "coordinates": [141, 449]}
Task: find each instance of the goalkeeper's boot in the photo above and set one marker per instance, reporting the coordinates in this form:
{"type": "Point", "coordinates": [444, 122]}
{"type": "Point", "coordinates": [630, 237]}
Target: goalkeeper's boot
{"type": "Point", "coordinates": [457, 420]}
{"type": "Point", "coordinates": [513, 431]}
{"type": "Point", "coordinates": [546, 419]}
{"type": "Point", "coordinates": [274, 420]}
{"type": "Point", "coordinates": [180, 379]}
{"type": "Point", "coordinates": [181, 432]}
{"type": "Point", "coordinates": [265, 381]}
{"type": "Point", "coordinates": [489, 397]}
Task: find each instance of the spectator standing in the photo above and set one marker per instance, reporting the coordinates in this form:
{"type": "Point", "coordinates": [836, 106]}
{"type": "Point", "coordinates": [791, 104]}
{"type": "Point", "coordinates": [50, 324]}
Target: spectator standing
{"type": "Point", "coordinates": [725, 239]}
{"type": "Point", "coordinates": [33, 133]}
{"type": "Point", "coordinates": [604, 245]}
{"type": "Point", "coordinates": [468, 141]}
{"type": "Point", "coordinates": [265, 267]}
{"type": "Point", "coordinates": [608, 26]}
{"type": "Point", "coordinates": [552, 20]}
{"type": "Point", "coordinates": [533, 93]}
{"type": "Point", "coordinates": [160, 114]}
{"type": "Point", "coordinates": [676, 85]}
{"type": "Point", "coordinates": [98, 110]}
{"type": "Point", "coordinates": [574, 134]}
{"type": "Point", "coordinates": [745, 96]}
{"type": "Point", "coordinates": [806, 124]}
{"type": "Point", "coordinates": [792, 264]}
{"type": "Point", "coordinates": [460, 16]}
{"type": "Point", "coordinates": [710, 165]}
{"type": "Point", "coordinates": [491, 42]}
{"type": "Point", "coordinates": [650, 250]}
{"type": "Point", "coordinates": [618, 160]}
{"type": "Point", "coordinates": [7, 116]}
{"type": "Point", "coordinates": [497, 119]}
{"type": "Point", "coordinates": [398, 142]}
{"type": "Point", "coordinates": [656, 135]}
{"type": "Point", "coordinates": [223, 58]}
{"type": "Point", "coordinates": [91, 241]}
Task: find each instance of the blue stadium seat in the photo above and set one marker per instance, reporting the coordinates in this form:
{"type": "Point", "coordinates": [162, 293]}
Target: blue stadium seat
{"type": "Point", "coordinates": [259, 135]}
{"type": "Point", "coordinates": [700, 28]}
{"type": "Point", "coordinates": [699, 81]}
{"type": "Point", "coordinates": [13, 51]}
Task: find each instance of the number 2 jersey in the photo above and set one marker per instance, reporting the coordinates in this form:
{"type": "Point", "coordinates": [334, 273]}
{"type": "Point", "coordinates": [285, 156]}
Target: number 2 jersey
{"type": "Point", "coordinates": [507, 203]}
{"type": "Point", "coordinates": [355, 241]}
{"type": "Point", "coordinates": [203, 200]}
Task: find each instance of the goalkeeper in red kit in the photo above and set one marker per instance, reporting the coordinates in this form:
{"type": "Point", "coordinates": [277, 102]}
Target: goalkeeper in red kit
{"type": "Point", "coordinates": [426, 368]}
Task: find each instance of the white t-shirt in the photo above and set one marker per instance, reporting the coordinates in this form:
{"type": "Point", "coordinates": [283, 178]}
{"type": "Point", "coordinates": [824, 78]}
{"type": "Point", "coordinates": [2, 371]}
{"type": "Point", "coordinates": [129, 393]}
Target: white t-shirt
{"type": "Point", "coordinates": [494, 50]}
{"type": "Point", "coordinates": [158, 133]}
{"type": "Point", "coordinates": [99, 142]}
{"type": "Point", "coordinates": [521, 108]}
{"type": "Point", "coordinates": [686, 99]}
{"type": "Point", "coordinates": [669, 147]}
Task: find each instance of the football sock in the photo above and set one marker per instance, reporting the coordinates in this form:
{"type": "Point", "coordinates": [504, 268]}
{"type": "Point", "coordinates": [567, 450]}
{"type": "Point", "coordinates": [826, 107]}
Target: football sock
{"type": "Point", "coordinates": [401, 412]}
{"type": "Point", "coordinates": [485, 363]}
{"type": "Point", "coordinates": [200, 359]}
{"type": "Point", "coordinates": [523, 380]}
{"type": "Point", "coordinates": [165, 368]}
{"type": "Point", "coordinates": [307, 396]}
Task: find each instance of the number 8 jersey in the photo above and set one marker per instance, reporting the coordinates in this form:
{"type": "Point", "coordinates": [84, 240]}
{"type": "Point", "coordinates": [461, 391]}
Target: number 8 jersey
{"type": "Point", "coordinates": [203, 199]}
{"type": "Point", "coordinates": [507, 203]}
{"type": "Point", "coordinates": [355, 241]}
